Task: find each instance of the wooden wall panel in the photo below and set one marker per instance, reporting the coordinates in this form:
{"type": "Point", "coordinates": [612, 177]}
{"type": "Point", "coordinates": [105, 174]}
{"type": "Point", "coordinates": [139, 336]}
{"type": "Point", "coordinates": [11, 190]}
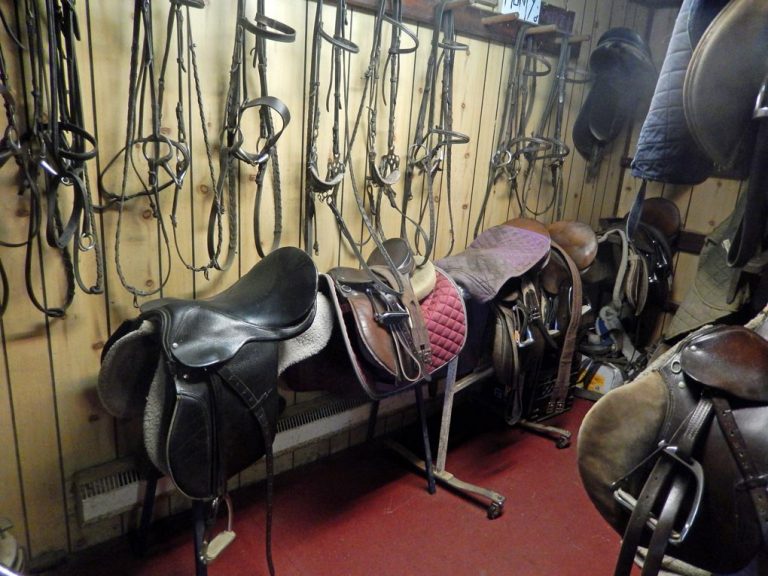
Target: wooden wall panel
{"type": "Point", "coordinates": [51, 424]}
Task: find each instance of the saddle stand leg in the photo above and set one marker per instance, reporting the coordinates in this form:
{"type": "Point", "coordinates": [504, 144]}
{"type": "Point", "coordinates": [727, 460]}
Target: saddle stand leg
{"type": "Point", "coordinates": [496, 506]}
{"type": "Point", "coordinates": [372, 417]}
{"type": "Point", "coordinates": [199, 512]}
{"type": "Point", "coordinates": [561, 436]}
{"type": "Point", "coordinates": [440, 474]}
{"type": "Point", "coordinates": [140, 543]}
{"type": "Point", "coordinates": [425, 438]}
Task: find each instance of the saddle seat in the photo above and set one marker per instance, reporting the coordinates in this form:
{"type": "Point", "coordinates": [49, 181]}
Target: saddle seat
{"type": "Point", "coordinates": [731, 359]}
{"type": "Point", "coordinates": [577, 239]}
{"type": "Point", "coordinates": [275, 300]}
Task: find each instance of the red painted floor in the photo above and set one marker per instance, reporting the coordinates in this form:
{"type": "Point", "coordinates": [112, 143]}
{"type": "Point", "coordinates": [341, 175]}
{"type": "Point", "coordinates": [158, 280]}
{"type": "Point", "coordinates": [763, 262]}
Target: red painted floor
{"type": "Point", "coordinates": [364, 512]}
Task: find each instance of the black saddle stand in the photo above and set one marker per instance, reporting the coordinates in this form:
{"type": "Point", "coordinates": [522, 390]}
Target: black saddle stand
{"type": "Point", "coordinates": [141, 538]}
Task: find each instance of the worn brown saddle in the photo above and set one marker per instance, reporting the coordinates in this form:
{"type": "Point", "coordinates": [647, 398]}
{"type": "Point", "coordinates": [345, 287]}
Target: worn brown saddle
{"type": "Point", "coordinates": [677, 460]}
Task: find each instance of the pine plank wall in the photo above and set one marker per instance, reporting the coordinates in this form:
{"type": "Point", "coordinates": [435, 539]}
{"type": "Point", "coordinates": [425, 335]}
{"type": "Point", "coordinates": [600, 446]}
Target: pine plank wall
{"type": "Point", "coordinates": [51, 422]}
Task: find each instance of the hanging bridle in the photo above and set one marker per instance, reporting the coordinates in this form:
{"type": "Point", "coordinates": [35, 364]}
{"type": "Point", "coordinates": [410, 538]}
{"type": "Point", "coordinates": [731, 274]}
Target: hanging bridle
{"type": "Point", "coordinates": [434, 135]}
{"type": "Point", "coordinates": [514, 144]}
{"type": "Point", "coordinates": [238, 104]}
{"type": "Point", "coordinates": [56, 145]}
{"type": "Point", "coordinates": [383, 173]}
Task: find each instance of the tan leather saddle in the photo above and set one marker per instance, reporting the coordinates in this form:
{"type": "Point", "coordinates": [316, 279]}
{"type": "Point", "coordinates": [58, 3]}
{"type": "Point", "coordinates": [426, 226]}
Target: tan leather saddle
{"type": "Point", "coordinates": [679, 456]}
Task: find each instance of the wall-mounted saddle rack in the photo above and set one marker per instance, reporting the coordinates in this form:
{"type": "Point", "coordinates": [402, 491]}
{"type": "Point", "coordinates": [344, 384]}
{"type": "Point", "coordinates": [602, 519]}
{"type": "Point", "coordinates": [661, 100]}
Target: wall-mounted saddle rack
{"type": "Point", "coordinates": [485, 25]}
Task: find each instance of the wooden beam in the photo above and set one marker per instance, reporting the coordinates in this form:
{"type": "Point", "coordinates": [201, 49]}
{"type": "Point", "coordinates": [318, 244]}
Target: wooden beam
{"type": "Point", "coordinates": [469, 19]}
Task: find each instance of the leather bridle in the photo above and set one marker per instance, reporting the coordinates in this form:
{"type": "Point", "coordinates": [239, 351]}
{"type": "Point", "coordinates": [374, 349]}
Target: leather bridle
{"type": "Point", "coordinates": [434, 135]}
{"type": "Point", "coordinates": [56, 142]}
{"type": "Point", "coordinates": [238, 104]}
{"type": "Point", "coordinates": [514, 143]}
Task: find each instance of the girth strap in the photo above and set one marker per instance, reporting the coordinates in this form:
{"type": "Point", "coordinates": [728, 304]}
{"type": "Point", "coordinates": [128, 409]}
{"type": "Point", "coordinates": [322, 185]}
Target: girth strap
{"type": "Point", "coordinates": [256, 407]}
{"type": "Point", "coordinates": [562, 383]}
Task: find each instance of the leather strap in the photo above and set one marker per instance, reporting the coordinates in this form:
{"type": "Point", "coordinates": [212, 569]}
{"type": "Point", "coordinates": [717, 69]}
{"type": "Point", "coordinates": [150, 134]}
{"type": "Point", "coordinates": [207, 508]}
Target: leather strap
{"type": "Point", "coordinates": [749, 238]}
{"type": "Point", "coordinates": [670, 455]}
{"type": "Point", "coordinates": [752, 480]}
{"type": "Point", "coordinates": [256, 407]}
{"type": "Point", "coordinates": [411, 336]}
{"type": "Point", "coordinates": [559, 395]}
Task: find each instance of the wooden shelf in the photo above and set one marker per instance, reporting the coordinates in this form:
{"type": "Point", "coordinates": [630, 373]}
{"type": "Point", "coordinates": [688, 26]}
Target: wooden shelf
{"type": "Point", "coordinates": [469, 20]}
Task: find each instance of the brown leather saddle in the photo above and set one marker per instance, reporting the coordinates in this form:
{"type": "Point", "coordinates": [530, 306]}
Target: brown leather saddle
{"type": "Point", "coordinates": [679, 456]}
{"type": "Point", "coordinates": [203, 373]}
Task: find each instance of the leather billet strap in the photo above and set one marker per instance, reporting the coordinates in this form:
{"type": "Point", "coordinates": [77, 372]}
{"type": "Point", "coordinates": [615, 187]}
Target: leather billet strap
{"type": "Point", "coordinates": [671, 479]}
{"type": "Point", "coordinates": [674, 464]}
{"type": "Point", "coordinates": [565, 367]}
{"type": "Point", "coordinates": [753, 482]}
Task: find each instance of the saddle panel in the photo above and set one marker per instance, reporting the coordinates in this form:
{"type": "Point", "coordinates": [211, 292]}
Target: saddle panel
{"type": "Point", "coordinates": [732, 359]}
{"type": "Point", "coordinates": [619, 431]}
{"type": "Point", "coordinates": [273, 301]}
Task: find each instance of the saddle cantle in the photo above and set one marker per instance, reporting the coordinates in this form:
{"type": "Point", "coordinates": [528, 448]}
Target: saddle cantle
{"type": "Point", "coordinates": [679, 454]}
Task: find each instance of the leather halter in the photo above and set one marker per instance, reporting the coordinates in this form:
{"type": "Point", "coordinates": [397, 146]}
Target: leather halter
{"type": "Point", "coordinates": [434, 134]}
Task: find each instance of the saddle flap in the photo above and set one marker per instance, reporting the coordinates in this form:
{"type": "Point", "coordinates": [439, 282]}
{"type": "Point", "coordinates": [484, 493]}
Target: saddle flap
{"type": "Point", "coordinates": [128, 363]}
{"type": "Point", "coordinates": [733, 359]}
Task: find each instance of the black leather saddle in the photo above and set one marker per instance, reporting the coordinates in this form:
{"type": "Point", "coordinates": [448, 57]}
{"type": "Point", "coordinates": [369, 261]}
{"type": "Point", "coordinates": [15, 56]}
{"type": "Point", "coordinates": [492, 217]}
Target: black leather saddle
{"type": "Point", "coordinates": [273, 301]}
{"type": "Point", "coordinates": [623, 74]}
